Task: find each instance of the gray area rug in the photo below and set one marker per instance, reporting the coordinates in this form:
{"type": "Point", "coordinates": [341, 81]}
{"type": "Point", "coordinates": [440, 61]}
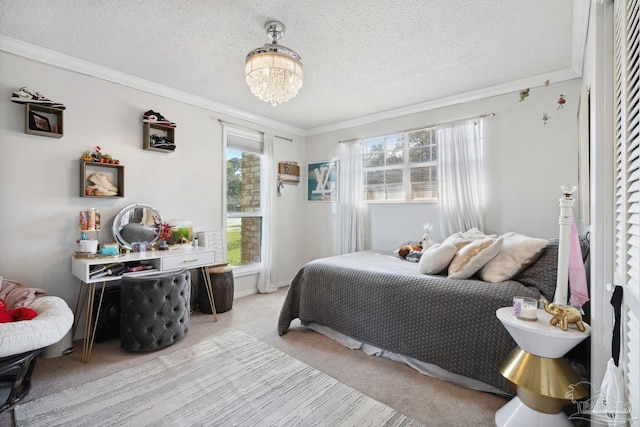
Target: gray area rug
{"type": "Point", "coordinates": [231, 380]}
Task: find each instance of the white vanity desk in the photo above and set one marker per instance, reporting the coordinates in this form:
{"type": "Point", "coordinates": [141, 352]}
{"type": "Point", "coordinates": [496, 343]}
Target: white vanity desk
{"type": "Point", "coordinates": [162, 261]}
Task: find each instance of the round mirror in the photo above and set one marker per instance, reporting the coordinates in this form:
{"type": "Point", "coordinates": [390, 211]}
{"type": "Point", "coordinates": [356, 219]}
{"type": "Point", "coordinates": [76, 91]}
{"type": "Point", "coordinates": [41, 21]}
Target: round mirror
{"type": "Point", "coordinates": [136, 223]}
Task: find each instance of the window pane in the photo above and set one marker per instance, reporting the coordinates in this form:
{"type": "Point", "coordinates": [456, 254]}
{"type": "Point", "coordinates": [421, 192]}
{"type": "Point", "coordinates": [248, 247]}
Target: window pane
{"type": "Point", "coordinates": [395, 150]}
{"type": "Point", "coordinates": [243, 181]}
{"type": "Point", "coordinates": [393, 176]}
{"type": "Point", "coordinates": [374, 177]}
{"type": "Point", "coordinates": [395, 191]}
{"type": "Point", "coordinates": [423, 183]}
{"type": "Point", "coordinates": [234, 241]}
{"type": "Point", "coordinates": [374, 152]}
{"type": "Point", "coordinates": [374, 192]}
{"type": "Point", "coordinates": [420, 154]}
{"type": "Point", "coordinates": [390, 160]}
{"type": "Point", "coordinates": [244, 218]}
{"type": "Point", "coordinates": [244, 236]}
{"type": "Point", "coordinates": [421, 138]}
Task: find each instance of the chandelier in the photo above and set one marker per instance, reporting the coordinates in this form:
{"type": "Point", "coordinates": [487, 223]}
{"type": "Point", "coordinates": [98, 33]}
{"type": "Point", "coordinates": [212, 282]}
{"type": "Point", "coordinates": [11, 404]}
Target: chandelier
{"type": "Point", "coordinates": [274, 72]}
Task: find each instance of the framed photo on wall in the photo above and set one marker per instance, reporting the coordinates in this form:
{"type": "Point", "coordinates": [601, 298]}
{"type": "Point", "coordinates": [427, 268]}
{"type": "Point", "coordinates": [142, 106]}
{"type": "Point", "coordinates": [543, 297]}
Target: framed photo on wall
{"type": "Point", "coordinates": [322, 181]}
{"type": "Point", "coordinates": [38, 122]}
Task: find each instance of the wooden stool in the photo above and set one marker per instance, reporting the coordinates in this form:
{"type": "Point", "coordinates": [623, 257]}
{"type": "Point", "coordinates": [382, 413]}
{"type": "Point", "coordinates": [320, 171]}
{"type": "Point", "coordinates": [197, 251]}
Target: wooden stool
{"type": "Point", "coordinates": [222, 286]}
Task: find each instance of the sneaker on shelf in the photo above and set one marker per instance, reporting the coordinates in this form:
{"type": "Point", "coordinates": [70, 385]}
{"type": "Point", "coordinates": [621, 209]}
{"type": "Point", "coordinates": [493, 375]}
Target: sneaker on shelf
{"type": "Point", "coordinates": [25, 96]}
{"type": "Point", "coordinates": [162, 142]}
{"type": "Point", "coordinates": [154, 117]}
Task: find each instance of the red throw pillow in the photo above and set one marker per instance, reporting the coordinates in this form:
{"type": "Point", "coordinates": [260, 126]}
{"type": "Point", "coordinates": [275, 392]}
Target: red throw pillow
{"type": "Point", "coordinates": [15, 314]}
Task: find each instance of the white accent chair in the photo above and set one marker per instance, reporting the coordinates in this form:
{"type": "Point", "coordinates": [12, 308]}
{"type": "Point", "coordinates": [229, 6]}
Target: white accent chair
{"type": "Point", "coordinates": [21, 342]}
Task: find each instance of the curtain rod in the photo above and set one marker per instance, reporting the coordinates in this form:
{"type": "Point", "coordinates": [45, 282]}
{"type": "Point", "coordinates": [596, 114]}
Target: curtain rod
{"type": "Point", "coordinates": [223, 122]}
{"type": "Point", "coordinates": [480, 116]}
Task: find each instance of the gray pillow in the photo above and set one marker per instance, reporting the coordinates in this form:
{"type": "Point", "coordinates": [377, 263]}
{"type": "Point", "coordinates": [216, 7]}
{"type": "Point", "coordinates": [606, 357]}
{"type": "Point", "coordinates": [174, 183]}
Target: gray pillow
{"type": "Point", "coordinates": [542, 274]}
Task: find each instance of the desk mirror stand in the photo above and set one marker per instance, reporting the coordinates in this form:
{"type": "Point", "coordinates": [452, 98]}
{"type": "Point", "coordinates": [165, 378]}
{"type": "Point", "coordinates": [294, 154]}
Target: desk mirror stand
{"type": "Point", "coordinates": [136, 223]}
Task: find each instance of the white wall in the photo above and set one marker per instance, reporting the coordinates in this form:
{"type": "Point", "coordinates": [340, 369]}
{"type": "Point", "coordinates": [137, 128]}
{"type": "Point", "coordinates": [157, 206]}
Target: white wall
{"type": "Point", "coordinates": [39, 176]}
{"type": "Point", "coordinates": [526, 162]}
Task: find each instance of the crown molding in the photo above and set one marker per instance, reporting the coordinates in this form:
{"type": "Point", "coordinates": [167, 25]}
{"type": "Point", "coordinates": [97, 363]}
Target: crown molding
{"type": "Point", "coordinates": [65, 62]}
{"type": "Point", "coordinates": [501, 89]}
{"type": "Point", "coordinates": [581, 10]}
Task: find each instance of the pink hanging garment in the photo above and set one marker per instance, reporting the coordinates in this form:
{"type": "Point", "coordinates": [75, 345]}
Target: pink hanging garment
{"type": "Point", "coordinates": [577, 276]}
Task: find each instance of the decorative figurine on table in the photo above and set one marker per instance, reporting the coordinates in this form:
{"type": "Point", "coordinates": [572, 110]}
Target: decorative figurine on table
{"type": "Point", "coordinates": [563, 314]}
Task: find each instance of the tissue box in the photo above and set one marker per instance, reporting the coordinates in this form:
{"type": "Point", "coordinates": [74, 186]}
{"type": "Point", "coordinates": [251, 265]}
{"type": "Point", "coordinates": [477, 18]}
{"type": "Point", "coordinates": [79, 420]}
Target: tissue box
{"type": "Point", "coordinates": [210, 238]}
{"type": "Point", "coordinates": [109, 251]}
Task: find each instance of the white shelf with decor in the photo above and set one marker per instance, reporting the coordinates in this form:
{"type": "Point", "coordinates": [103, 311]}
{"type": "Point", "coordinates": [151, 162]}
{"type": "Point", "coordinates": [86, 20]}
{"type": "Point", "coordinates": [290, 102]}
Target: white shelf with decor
{"type": "Point", "coordinates": [114, 173]}
{"type": "Point", "coordinates": [43, 121]}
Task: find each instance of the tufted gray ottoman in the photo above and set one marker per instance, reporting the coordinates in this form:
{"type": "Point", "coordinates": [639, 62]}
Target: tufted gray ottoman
{"type": "Point", "coordinates": [154, 310]}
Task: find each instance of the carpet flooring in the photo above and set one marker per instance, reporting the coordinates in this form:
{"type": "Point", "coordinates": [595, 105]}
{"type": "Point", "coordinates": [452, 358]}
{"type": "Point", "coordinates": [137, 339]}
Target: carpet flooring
{"type": "Point", "coordinates": [231, 380]}
{"type": "Point", "coordinates": [428, 400]}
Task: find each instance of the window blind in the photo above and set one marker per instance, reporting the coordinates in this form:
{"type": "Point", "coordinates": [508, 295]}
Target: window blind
{"type": "Point", "coordinates": [627, 189]}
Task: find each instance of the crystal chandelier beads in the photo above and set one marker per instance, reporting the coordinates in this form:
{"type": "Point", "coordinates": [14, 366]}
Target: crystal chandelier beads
{"type": "Point", "coordinates": [274, 72]}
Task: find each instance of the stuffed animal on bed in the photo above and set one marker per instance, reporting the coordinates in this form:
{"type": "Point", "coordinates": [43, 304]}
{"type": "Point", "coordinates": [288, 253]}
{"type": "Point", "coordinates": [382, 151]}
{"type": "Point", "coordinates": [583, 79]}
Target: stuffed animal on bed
{"type": "Point", "coordinates": [406, 250]}
{"type": "Point", "coordinates": [412, 252]}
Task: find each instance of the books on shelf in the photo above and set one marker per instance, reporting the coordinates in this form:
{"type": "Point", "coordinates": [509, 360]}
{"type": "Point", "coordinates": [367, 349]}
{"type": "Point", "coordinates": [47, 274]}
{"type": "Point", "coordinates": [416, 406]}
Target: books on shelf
{"type": "Point", "coordinates": [120, 269]}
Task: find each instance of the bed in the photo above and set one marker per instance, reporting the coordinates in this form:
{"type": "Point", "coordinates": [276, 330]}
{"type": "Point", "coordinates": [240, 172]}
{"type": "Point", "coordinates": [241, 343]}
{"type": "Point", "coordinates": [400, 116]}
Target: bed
{"type": "Point", "coordinates": [443, 327]}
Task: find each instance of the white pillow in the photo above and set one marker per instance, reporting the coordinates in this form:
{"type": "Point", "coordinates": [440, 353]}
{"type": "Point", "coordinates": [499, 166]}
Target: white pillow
{"type": "Point", "coordinates": [460, 239]}
{"type": "Point", "coordinates": [473, 256]}
{"type": "Point", "coordinates": [457, 240]}
{"type": "Point", "coordinates": [436, 258]}
{"type": "Point", "coordinates": [474, 233]}
{"type": "Point", "coordinates": [518, 252]}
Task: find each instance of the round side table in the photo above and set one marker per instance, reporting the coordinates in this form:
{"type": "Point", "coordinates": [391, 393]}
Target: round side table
{"type": "Point", "coordinates": [537, 368]}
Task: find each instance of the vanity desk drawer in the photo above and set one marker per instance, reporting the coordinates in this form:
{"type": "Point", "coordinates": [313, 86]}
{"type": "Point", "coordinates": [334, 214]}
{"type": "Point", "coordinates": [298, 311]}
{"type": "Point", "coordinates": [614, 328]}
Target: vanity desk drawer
{"type": "Point", "coordinates": [187, 260]}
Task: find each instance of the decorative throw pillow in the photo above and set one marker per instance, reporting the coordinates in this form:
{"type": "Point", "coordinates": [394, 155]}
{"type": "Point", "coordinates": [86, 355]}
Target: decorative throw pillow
{"type": "Point", "coordinates": [473, 256]}
{"type": "Point", "coordinates": [436, 258]}
{"type": "Point", "coordinates": [474, 233]}
{"type": "Point", "coordinates": [457, 240]}
{"type": "Point", "coordinates": [460, 239]}
{"type": "Point", "coordinates": [518, 252]}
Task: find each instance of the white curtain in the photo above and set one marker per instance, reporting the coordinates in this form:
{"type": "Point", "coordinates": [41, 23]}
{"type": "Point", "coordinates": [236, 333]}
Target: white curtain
{"type": "Point", "coordinates": [269, 183]}
{"type": "Point", "coordinates": [351, 206]}
{"type": "Point", "coordinates": [460, 177]}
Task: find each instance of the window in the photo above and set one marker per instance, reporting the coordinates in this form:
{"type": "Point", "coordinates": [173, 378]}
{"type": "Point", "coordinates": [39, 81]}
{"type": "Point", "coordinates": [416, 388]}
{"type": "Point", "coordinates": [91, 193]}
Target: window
{"type": "Point", "coordinates": [401, 167]}
{"type": "Point", "coordinates": [243, 197]}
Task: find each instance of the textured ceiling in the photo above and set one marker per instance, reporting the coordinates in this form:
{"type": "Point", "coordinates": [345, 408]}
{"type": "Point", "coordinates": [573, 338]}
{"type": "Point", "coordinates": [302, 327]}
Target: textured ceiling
{"type": "Point", "coordinates": [360, 57]}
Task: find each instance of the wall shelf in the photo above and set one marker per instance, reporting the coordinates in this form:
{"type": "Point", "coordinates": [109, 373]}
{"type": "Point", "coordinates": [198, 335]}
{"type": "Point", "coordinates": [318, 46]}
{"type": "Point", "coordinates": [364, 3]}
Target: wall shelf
{"type": "Point", "coordinates": [43, 121]}
{"type": "Point", "coordinates": [157, 137]}
{"type": "Point", "coordinates": [115, 174]}
{"type": "Point", "coordinates": [289, 172]}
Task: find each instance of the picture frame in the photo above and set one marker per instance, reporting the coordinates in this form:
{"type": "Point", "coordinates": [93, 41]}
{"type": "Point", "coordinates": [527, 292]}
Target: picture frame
{"type": "Point", "coordinates": [39, 122]}
{"type": "Point", "coordinates": [322, 181]}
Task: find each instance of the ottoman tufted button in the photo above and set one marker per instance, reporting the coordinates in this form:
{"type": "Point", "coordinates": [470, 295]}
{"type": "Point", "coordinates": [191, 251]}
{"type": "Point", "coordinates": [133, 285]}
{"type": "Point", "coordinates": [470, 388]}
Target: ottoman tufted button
{"type": "Point", "coordinates": [140, 319]}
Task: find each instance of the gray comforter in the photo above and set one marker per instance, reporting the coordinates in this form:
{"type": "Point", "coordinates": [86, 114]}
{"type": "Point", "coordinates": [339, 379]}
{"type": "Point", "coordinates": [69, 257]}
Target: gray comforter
{"type": "Point", "coordinates": [384, 301]}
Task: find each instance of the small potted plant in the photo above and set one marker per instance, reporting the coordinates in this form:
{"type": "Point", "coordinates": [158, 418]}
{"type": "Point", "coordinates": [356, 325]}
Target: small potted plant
{"type": "Point", "coordinates": [163, 231]}
{"type": "Point", "coordinates": [97, 155]}
{"type": "Point", "coordinates": [86, 156]}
